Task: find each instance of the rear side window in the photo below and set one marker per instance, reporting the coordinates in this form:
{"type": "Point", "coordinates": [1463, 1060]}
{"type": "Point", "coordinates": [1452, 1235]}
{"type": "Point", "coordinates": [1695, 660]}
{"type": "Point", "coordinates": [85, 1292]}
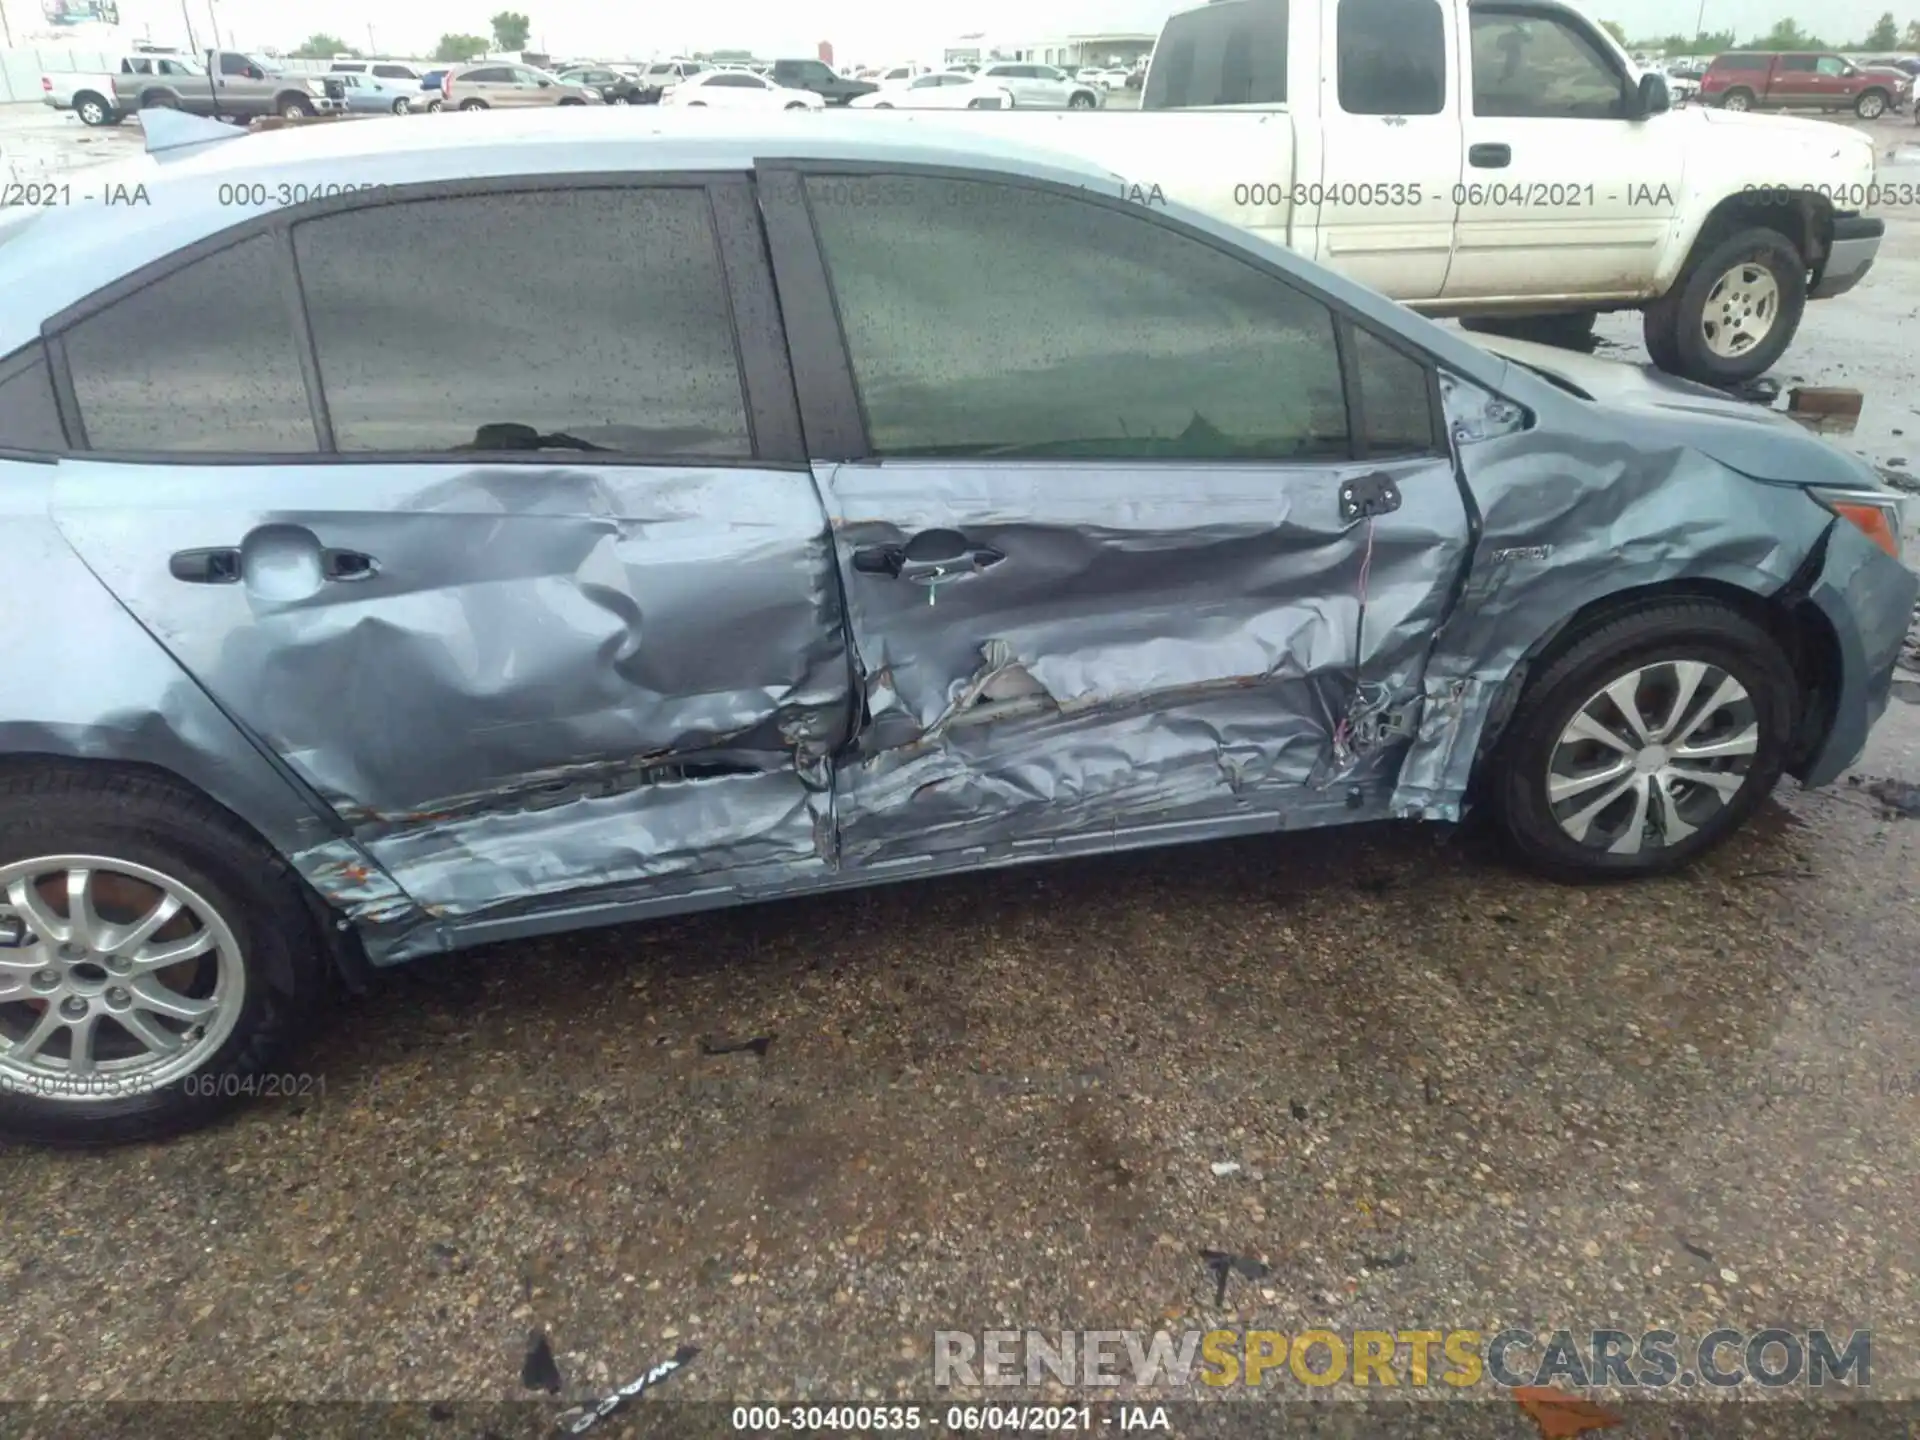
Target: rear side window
{"type": "Point", "coordinates": [393, 72]}
{"type": "Point", "coordinates": [1232, 52]}
{"type": "Point", "coordinates": [1002, 338]}
{"type": "Point", "coordinates": [203, 360]}
{"type": "Point", "coordinates": [583, 319]}
{"type": "Point", "coordinates": [1394, 397]}
{"type": "Point", "coordinates": [1393, 57]}
{"type": "Point", "coordinates": [29, 418]}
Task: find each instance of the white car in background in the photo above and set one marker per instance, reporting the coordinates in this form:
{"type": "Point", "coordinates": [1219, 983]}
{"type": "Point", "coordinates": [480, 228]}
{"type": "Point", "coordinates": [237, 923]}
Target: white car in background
{"type": "Point", "coordinates": [942, 90]}
{"type": "Point", "coordinates": [1042, 87]}
{"type": "Point", "coordinates": [738, 90]}
{"type": "Point", "coordinates": [1115, 78]}
{"type": "Point", "coordinates": [896, 76]}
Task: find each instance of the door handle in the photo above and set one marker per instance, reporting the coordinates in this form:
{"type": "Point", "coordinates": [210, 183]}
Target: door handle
{"type": "Point", "coordinates": [928, 558]}
{"type": "Point", "coordinates": [1489, 157]}
{"type": "Point", "coordinates": [219, 566]}
{"type": "Point", "coordinates": [346, 565]}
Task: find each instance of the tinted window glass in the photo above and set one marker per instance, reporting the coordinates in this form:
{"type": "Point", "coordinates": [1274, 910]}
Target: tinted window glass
{"type": "Point", "coordinates": [1395, 397]}
{"type": "Point", "coordinates": [393, 72]}
{"type": "Point", "coordinates": [982, 320]}
{"type": "Point", "coordinates": [1802, 63]}
{"type": "Point", "coordinates": [1831, 65]}
{"type": "Point", "coordinates": [29, 420]}
{"type": "Point", "coordinates": [1393, 57]}
{"type": "Point", "coordinates": [233, 65]}
{"type": "Point", "coordinates": [591, 315]}
{"type": "Point", "coordinates": [493, 76]}
{"type": "Point", "coordinates": [1233, 52]}
{"type": "Point", "coordinates": [203, 360]}
{"type": "Point", "coordinates": [1526, 64]}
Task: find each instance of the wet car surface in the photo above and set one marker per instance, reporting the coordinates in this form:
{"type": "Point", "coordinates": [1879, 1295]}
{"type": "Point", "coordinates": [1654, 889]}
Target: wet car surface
{"type": "Point", "coordinates": [1453, 1093]}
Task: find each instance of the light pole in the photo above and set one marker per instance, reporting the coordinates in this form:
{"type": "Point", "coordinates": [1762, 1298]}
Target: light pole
{"type": "Point", "coordinates": [373, 47]}
{"type": "Point", "coordinates": [5, 24]}
{"type": "Point", "coordinates": [214, 16]}
{"type": "Point", "coordinates": [1700, 21]}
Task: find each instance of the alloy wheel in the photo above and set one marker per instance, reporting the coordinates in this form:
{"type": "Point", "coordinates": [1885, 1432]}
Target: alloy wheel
{"type": "Point", "coordinates": [115, 979]}
{"type": "Point", "coordinates": [1652, 757]}
{"type": "Point", "coordinates": [1741, 310]}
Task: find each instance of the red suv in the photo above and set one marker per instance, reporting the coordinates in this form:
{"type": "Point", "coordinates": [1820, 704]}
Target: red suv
{"type": "Point", "coordinates": [1805, 80]}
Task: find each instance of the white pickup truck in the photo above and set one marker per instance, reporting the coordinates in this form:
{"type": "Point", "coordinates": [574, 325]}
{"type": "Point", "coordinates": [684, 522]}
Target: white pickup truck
{"type": "Point", "coordinates": [1499, 160]}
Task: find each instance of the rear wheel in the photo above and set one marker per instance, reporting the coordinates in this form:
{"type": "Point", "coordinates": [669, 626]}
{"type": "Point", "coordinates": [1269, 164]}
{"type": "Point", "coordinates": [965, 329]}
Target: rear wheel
{"type": "Point", "coordinates": [796, 105]}
{"type": "Point", "coordinates": [93, 110]}
{"type": "Point", "coordinates": [156, 961]}
{"type": "Point", "coordinates": [1737, 100]}
{"type": "Point", "coordinates": [473, 104]}
{"type": "Point", "coordinates": [402, 105]}
{"type": "Point", "coordinates": [159, 100]}
{"type": "Point", "coordinates": [1645, 743]}
{"type": "Point", "coordinates": [436, 105]}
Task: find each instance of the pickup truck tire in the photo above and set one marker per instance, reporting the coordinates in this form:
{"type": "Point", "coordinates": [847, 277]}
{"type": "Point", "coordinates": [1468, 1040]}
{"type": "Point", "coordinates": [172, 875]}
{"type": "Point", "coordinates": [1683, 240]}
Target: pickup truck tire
{"type": "Point", "coordinates": [1572, 330]}
{"type": "Point", "coordinates": [159, 100]}
{"type": "Point", "coordinates": [292, 107]}
{"type": "Point", "coordinates": [94, 110]}
{"type": "Point", "coordinates": [1748, 271]}
{"type": "Point", "coordinates": [1871, 104]}
{"type": "Point", "coordinates": [251, 961]}
{"type": "Point", "coordinates": [1569, 731]}
{"type": "Point", "coordinates": [1737, 99]}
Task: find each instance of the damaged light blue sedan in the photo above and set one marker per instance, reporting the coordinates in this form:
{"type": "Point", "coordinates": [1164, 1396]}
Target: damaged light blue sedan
{"type": "Point", "coordinates": [785, 506]}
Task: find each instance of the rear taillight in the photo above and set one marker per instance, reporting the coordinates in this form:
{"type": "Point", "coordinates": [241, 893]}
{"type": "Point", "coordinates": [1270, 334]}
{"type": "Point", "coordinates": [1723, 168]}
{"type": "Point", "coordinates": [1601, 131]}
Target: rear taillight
{"type": "Point", "coordinates": [46, 84]}
{"type": "Point", "coordinates": [446, 85]}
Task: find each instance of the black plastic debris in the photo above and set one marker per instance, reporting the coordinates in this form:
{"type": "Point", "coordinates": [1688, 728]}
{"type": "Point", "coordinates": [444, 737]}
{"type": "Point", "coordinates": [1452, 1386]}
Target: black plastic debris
{"type": "Point", "coordinates": [1694, 1250]}
{"type": "Point", "coordinates": [539, 1371]}
{"type": "Point", "coordinates": [584, 1417]}
{"type": "Point", "coordinates": [758, 1045]}
{"type": "Point", "coordinates": [1298, 1111]}
{"type": "Point", "coordinates": [1900, 797]}
{"type": "Point", "coordinates": [1387, 1262]}
{"type": "Point", "coordinates": [1224, 1264]}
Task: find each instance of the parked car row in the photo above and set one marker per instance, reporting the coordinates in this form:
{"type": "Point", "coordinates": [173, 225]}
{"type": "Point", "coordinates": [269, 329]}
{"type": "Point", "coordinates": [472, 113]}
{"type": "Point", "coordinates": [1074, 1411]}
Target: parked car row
{"type": "Point", "coordinates": [221, 83]}
{"type": "Point", "coordinates": [1804, 80]}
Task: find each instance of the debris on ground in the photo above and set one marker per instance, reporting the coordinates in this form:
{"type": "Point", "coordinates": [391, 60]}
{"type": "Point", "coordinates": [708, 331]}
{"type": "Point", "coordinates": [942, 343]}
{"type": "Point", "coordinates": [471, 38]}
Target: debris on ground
{"type": "Point", "coordinates": [1900, 797]}
{"type": "Point", "coordinates": [1387, 1262]}
{"type": "Point", "coordinates": [584, 1417]}
{"type": "Point", "coordinates": [1694, 1250]}
{"type": "Point", "coordinates": [1224, 1263]}
{"type": "Point", "coordinates": [759, 1045]}
{"type": "Point", "coordinates": [1561, 1416]}
{"type": "Point", "coordinates": [539, 1370]}
{"type": "Point", "coordinates": [1226, 1167]}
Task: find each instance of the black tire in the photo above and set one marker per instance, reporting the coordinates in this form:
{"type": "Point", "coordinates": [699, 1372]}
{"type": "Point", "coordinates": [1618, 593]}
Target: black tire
{"type": "Point", "coordinates": [1871, 104]}
{"type": "Point", "coordinates": [473, 105]}
{"type": "Point", "coordinates": [796, 105]}
{"type": "Point", "coordinates": [402, 106]}
{"type": "Point", "coordinates": [293, 107]}
{"type": "Point", "coordinates": [436, 105]}
{"type": "Point", "coordinates": [1081, 101]}
{"type": "Point", "coordinates": [1673, 324]}
{"type": "Point", "coordinates": [93, 110]}
{"type": "Point", "coordinates": [1572, 330]}
{"type": "Point", "coordinates": [1699, 630]}
{"type": "Point", "coordinates": [159, 100]}
{"type": "Point", "coordinates": [1737, 98]}
{"type": "Point", "coordinates": [167, 828]}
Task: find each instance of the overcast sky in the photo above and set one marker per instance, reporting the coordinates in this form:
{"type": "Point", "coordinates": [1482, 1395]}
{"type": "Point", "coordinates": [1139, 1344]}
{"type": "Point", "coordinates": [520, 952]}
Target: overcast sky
{"type": "Point", "coordinates": [861, 30]}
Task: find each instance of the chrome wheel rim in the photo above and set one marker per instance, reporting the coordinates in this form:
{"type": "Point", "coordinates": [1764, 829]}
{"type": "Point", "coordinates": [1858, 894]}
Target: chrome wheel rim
{"type": "Point", "coordinates": [1871, 107]}
{"type": "Point", "coordinates": [1736, 102]}
{"type": "Point", "coordinates": [115, 979]}
{"type": "Point", "coordinates": [1741, 310]}
{"type": "Point", "coordinates": [1653, 757]}
{"type": "Point", "coordinates": [91, 113]}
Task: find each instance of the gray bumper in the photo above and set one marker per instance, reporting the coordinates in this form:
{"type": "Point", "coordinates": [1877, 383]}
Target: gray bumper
{"type": "Point", "coordinates": [1856, 240]}
{"type": "Point", "coordinates": [1868, 598]}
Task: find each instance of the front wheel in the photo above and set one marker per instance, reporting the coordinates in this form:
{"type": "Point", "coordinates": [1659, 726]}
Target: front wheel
{"type": "Point", "coordinates": [1646, 743]}
{"type": "Point", "coordinates": [1080, 102]}
{"type": "Point", "coordinates": [882, 105]}
{"type": "Point", "coordinates": [1871, 105]}
{"type": "Point", "coordinates": [294, 108]}
{"type": "Point", "coordinates": [158, 960]}
{"type": "Point", "coordinates": [796, 105]}
{"type": "Point", "coordinates": [1733, 311]}
{"type": "Point", "coordinates": [402, 106]}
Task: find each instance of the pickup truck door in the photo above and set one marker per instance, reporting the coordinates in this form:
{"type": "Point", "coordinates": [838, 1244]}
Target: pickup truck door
{"type": "Point", "coordinates": [1390, 141]}
{"type": "Point", "coordinates": [520, 666]}
{"type": "Point", "coordinates": [240, 93]}
{"type": "Point", "coordinates": [1564, 196]}
{"type": "Point", "coordinates": [1104, 569]}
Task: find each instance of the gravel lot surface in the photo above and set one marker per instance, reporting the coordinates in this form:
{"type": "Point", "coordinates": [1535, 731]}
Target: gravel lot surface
{"type": "Point", "coordinates": [1455, 1096]}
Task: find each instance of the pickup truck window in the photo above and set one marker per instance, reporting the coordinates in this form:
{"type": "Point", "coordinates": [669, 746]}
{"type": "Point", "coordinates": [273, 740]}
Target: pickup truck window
{"type": "Point", "coordinates": [234, 65]}
{"type": "Point", "coordinates": [1004, 338]}
{"type": "Point", "coordinates": [203, 361]}
{"type": "Point", "coordinates": [1393, 57]}
{"type": "Point", "coordinates": [1538, 65]}
{"type": "Point", "coordinates": [604, 325]}
{"type": "Point", "coordinates": [1232, 52]}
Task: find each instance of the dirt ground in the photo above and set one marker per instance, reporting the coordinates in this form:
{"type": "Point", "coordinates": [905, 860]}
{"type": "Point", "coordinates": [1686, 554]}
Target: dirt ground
{"type": "Point", "coordinates": [1454, 1096]}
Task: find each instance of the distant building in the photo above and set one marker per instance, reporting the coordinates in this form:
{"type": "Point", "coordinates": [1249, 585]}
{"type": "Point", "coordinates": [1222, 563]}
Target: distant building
{"type": "Point", "coordinates": [1069, 52]}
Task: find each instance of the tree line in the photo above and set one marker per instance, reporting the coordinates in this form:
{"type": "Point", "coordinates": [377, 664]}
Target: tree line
{"type": "Point", "coordinates": [1886, 34]}
{"type": "Point", "coordinates": [511, 30]}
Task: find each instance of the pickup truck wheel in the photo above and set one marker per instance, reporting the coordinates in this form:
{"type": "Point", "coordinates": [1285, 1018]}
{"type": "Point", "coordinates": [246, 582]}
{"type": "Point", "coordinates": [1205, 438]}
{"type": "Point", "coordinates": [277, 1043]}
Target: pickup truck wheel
{"type": "Point", "coordinates": [1737, 100]}
{"type": "Point", "coordinates": [1871, 105]}
{"type": "Point", "coordinates": [92, 110]}
{"type": "Point", "coordinates": [1733, 311]}
{"type": "Point", "coordinates": [1570, 331]}
{"type": "Point", "coordinates": [159, 100]}
{"type": "Point", "coordinates": [1646, 743]}
{"type": "Point", "coordinates": [160, 961]}
{"type": "Point", "coordinates": [293, 107]}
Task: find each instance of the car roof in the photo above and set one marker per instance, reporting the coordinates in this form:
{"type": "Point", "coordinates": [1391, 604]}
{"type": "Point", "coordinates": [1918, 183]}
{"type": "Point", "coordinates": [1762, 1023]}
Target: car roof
{"type": "Point", "coordinates": [61, 255]}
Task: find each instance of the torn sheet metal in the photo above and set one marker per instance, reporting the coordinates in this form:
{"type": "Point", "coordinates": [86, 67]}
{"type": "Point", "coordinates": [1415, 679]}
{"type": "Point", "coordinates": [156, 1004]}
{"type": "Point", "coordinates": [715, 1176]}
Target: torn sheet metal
{"type": "Point", "coordinates": [556, 678]}
{"type": "Point", "coordinates": [1572, 513]}
{"type": "Point", "coordinates": [1160, 644]}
